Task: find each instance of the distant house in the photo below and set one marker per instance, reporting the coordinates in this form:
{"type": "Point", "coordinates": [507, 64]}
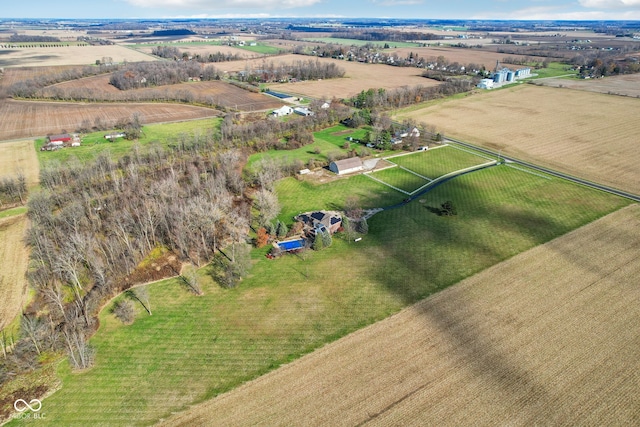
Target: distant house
{"type": "Point", "coordinates": [325, 106]}
{"type": "Point", "coordinates": [320, 221]}
{"type": "Point", "coordinates": [282, 111]}
{"type": "Point", "coordinates": [345, 166]}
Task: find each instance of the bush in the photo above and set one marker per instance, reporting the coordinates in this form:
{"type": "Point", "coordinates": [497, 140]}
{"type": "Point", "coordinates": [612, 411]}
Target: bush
{"type": "Point", "coordinates": [124, 311]}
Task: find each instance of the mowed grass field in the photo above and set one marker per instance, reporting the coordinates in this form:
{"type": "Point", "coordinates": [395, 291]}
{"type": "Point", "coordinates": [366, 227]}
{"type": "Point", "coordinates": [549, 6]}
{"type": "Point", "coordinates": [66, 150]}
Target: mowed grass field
{"type": "Point", "coordinates": [545, 338]}
{"type": "Point", "coordinates": [400, 178]}
{"type": "Point", "coordinates": [164, 134]}
{"type": "Point", "coordinates": [21, 119]}
{"type": "Point", "coordinates": [437, 162]}
{"type": "Point", "coordinates": [194, 348]}
{"type": "Point", "coordinates": [589, 135]}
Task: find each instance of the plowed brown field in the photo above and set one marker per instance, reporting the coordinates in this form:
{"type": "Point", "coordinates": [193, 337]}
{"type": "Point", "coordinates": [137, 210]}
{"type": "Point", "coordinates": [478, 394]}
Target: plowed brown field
{"type": "Point", "coordinates": [22, 119]}
{"type": "Point", "coordinates": [222, 93]}
{"type": "Point", "coordinates": [589, 135]}
{"type": "Point", "coordinates": [358, 77]}
{"type": "Point", "coordinates": [548, 337]}
{"type": "Point", "coordinates": [69, 55]}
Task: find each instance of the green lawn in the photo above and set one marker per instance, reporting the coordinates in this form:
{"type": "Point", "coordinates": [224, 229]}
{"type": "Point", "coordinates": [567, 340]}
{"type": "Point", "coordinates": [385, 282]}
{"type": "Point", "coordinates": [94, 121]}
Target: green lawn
{"type": "Point", "coordinates": [554, 69]}
{"type": "Point", "coordinates": [262, 48]}
{"type": "Point", "coordinates": [13, 212]}
{"type": "Point", "coordinates": [330, 140]}
{"type": "Point", "coordinates": [193, 348]}
{"type": "Point", "coordinates": [95, 143]}
{"type": "Point", "coordinates": [400, 178]}
{"type": "Point", "coordinates": [437, 162]}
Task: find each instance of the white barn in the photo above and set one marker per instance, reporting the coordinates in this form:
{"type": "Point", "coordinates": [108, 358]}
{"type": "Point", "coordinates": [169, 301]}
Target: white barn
{"type": "Point", "coordinates": [486, 84]}
{"type": "Point", "coordinates": [285, 110]}
{"type": "Point", "coordinates": [341, 167]}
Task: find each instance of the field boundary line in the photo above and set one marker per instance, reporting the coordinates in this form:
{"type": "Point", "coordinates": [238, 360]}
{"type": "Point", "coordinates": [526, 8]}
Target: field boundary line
{"type": "Point", "coordinates": [393, 165]}
{"type": "Point", "coordinates": [528, 171]}
{"type": "Point", "coordinates": [415, 173]}
{"type": "Point", "coordinates": [454, 173]}
{"type": "Point", "coordinates": [472, 152]}
{"type": "Point", "coordinates": [388, 185]}
{"type": "Point", "coordinates": [413, 152]}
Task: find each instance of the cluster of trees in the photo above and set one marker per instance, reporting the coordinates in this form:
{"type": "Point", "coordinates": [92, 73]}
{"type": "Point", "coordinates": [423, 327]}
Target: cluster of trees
{"type": "Point", "coordinates": [172, 52]}
{"type": "Point", "coordinates": [13, 190]}
{"type": "Point", "coordinates": [602, 65]}
{"type": "Point", "coordinates": [385, 35]}
{"type": "Point", "coordinates": [397, 98]}
{"type": "Point", "coordinates": [149, 74]}
{"type": "Point", "coordinates": [93, 223]}
{"type": "Point", "coordinates": [30, 88]}
{"type": "Point", "coordinates": [25, 38]}
{"type": "Point", "coordinates": [262, 135]}
{"type": "Point", "coordinates": [300, 70]}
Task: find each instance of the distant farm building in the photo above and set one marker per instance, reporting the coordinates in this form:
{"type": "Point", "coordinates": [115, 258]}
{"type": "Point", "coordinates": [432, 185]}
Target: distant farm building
{"type": "Point", "coordinates": [59, 139]}
{"type": "Point", "coordinates": [341, 167]}
{"type": "Point", "coordinates": [115, 135]}
{"type": "Point", "coordinates": [320, 221]}
{"type": "Point", "coordinates": [486, 84]}
{"type": "Point", "coordinates": [303, 111]}
{"type": "Point", "coordinates": [282, 111]}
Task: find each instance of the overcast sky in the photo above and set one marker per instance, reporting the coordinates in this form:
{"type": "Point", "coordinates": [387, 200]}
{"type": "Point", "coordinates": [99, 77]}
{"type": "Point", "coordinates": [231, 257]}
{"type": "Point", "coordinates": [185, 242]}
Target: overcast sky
{"type": "Point", "coordinates": [426, 9]}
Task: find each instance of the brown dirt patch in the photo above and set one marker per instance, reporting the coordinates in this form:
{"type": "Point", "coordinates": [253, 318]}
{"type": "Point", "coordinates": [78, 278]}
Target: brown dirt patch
{"type": "Point", "coordinates": [590, 135]}
{"type": "Point", "coordinates": [543, 338]}
{"type": "Point", "coordinates": [626, 85]}
{"type": "Point", "coordinates": [14, 259]}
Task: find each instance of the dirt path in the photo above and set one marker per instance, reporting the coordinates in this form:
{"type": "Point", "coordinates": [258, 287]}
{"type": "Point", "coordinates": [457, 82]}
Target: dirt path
{"type": "Point", "coordinates": [14, 259]}
{"type": "Point", "coordinates": [546, 338]}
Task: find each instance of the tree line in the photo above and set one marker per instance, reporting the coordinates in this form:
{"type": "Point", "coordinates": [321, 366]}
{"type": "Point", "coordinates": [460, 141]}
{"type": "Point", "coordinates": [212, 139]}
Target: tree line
{"type": "Point", "coordinates": [299, 70]}
{"type": "Point", "coordinates": [149, 74]}
{"type": "Point", "coordinates": [29, 88]}
{"type": "Point", "coordinates": [25, 38]}
{"type": "Point", "coordinates": [172, 52]}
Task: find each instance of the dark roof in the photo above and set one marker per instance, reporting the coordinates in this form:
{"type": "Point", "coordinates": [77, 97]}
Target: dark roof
{"type": "Point", "coordinates": [318, 216]}
{"type": "Point", "coordinates": [59, 137]}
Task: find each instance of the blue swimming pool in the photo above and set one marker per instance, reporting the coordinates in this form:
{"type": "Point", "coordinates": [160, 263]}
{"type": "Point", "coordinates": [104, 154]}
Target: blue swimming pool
{"type": "Point", "coordinates": [290, 245]}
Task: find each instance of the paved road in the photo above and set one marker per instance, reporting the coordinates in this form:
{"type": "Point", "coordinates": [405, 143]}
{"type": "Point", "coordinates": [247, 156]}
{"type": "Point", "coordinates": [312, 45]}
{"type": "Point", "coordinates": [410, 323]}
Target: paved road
{"type": "Point", "coordinates": [552, 172]}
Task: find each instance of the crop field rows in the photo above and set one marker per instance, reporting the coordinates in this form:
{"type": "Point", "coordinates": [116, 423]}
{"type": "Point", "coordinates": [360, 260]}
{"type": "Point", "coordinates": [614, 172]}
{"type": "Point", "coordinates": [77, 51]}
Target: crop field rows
{"type": "Point", "coordinates": [558, 128]}
{"type": "Point", "coordinates": [22, 119]}
{"type": "Point", "coordinates": [416, 170]}
{"type": "Point", "coordinates": [542, 338]}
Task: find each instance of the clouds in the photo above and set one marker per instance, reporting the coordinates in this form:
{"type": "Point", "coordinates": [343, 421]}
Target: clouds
{"type": "Point", "coordinates": [223, 4]}
{"type": "Point", "coordinates": [610, 4]}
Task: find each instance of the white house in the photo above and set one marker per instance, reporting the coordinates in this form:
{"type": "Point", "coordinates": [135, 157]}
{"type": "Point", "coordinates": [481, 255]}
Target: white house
{"type": "Point", "coordinates": [303, 111]}
{"type": "Point", "coordinates": [285, 110]}
{"type": "Point", "coordinates": [341, 167]}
